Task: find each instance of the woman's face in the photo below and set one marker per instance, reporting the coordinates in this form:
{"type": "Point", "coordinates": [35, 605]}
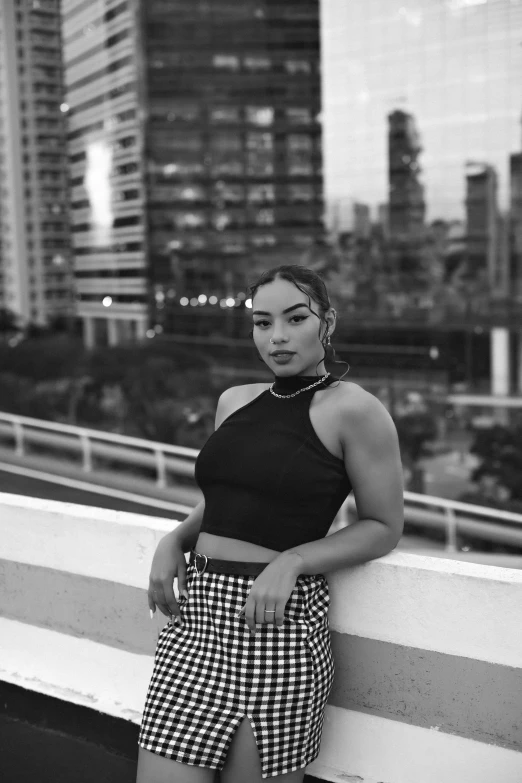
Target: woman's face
{"type": "Point", "coordinates": [295, 331]}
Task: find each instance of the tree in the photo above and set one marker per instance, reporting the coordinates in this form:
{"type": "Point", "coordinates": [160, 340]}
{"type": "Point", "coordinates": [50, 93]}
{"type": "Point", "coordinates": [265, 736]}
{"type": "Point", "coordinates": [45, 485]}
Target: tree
{"type": "Point", "coordinates": [498, 475]}
{"type": "Point", "coordinates": [8, 322]}
{"type": "Point", "coordinates": [416, 427]}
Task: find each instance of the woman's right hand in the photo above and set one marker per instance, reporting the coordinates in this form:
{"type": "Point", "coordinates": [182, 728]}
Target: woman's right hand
{"type": "Point", "coordinates": [168, 562]}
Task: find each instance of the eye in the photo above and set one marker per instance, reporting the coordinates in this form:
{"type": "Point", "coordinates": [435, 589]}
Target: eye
{"type": "Point", "coordinates": [299, 317]}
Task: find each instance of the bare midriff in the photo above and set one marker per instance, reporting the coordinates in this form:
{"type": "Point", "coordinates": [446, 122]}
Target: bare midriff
{"type": "Point", "coordinates": [224, 548]}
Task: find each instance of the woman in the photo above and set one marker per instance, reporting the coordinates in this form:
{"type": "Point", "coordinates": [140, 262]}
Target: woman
{"type": "Point", "coordinates": [248, 636]}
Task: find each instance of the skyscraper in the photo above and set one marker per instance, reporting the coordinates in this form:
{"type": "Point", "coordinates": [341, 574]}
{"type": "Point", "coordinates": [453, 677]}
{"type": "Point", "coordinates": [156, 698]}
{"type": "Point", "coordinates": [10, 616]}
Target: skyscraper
{"type": "Point", "coordinates": [515, 244]}
{"type": "Point", "coordinates": [105, 145]}
{"type": "Point", "coordinates": [196, 151]}
{"type": "Point", "coordinates": [482, 221]}
{"type": "Point", "coordinates": [406, 193]}
{"type": "Point", "coordinates": [37, 281]}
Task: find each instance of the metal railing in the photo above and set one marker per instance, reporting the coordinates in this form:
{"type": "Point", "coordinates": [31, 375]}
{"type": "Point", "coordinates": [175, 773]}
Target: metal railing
{"type": "Point", "coordinates": [424, 511]}
{"type": "Point", "coordinates": [89, 443]}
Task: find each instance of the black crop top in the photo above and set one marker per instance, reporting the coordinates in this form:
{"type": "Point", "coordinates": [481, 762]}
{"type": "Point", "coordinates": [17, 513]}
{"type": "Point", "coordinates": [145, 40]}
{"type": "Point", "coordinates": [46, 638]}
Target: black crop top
{"type": "Point", "coordinates": [266, 476]}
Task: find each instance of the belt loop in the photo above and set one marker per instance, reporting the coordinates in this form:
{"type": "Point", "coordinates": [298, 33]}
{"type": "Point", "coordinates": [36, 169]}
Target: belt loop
{"type": "Point", "coordinates": [198, 554]}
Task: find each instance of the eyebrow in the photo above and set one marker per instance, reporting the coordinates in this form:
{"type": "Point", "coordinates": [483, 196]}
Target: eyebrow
{"type": "Point", "coordinates": [288, 309]}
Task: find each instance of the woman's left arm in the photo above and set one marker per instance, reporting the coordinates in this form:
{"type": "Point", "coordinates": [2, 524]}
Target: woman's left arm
{"type": "Point", "coordinates": [373, 463]}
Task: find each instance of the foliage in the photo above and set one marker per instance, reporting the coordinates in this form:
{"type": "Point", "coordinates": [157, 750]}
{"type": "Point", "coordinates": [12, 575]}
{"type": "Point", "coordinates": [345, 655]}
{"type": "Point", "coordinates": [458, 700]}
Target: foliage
{"type": "Point", "coordinates": [162, 390]}
{"type": "Point", "coordinates": [8, 321]}
{"type": "Point", "coordinates": [415, 428]}
{"type": "Point", "coordinates": [43, 359]}
{"type": "Point", "coordinates": [499, 450]}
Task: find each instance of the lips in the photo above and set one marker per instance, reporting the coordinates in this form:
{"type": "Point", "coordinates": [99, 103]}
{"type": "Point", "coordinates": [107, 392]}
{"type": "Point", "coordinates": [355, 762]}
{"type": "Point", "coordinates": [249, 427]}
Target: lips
{"type": "Point", "coordinates": [282, 353]}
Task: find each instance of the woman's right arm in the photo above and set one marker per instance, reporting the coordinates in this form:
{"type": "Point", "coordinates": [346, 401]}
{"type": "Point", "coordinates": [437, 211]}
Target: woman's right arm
{"type": "Point", "coordinates": [169, 558]}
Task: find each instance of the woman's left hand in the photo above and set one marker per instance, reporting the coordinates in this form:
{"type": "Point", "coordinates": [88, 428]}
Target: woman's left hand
{"type": "Point", "coordinates": [271, 590]}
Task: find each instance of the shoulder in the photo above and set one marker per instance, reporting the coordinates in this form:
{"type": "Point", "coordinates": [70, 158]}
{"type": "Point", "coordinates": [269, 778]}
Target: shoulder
{"type": "Point", "coordinates": [242, 393]}
{"type": "Point", "coordinates": [362, 414]}
{"type": "Point", "coordinates": [235, 397]}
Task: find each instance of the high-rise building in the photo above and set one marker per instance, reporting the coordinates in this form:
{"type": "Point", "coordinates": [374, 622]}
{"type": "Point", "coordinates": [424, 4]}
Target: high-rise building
{"type": "Point", "coordinates": [195, 148]}
{"type": "Point", "coordinates": [482, 221]}
{"type": "Point", "coordinates": [515, 222]}
{"type": "Point", "coordinates": [406, 193]}
{"type": "Point", "coordinates": [106, 148]}
{"type": "Point", "coordinates": [36, 281]}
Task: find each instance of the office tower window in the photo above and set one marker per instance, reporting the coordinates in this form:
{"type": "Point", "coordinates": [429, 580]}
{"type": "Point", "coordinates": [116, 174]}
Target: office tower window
{"type": "Point", "coordinates": [263, 217]}
{"type": "Point", "coordinates": [298, 66]}
{"type": "Point", "coordinates": [263, 240]}
{"type": "Point", "coordinates": [230, 218]}
{"type": "Point", "coordinates": [260, 115]}
{"type": "Point", "coordinates": [259, 141]}
{"type": "Point", "coordinates": [178, 112]}
{"type": "Point", "coordinates": [261, 194]}
{"type": "Point", "coordinates": [298, 194]}
{"type": "Point", "coordinates": [226, 141]}
{"type": "Point", "coordinates": [228, 193]}
{"type": "Point", "coordinates": [189, 220]}
{"type": "Point", "coordinates": [225, 114]}
{"type": "Point", "coordinates": [257, 63]}
{"type": "Point", "coordinates": [298, 115]}
{"type": "Point", "coordinates": [226, 62]}
{"type": "Point", "coordinates": [299, 141]}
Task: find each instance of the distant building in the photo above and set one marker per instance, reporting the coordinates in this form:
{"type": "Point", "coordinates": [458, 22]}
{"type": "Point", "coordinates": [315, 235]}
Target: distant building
{"type": "Point", "coordinates": [406, 194]}
{"type": "Point", "coordinates": [349, 216]}
{"type": "Point", "coordinates": [383, 219]}
{"type": "Point", "coordinates": [482, 221]}
{"type": "Point", "coordinates": [515, 243]}
{"type": "Point", "coordinates": [195, 149]}
{"type": "Point", "coordinates": [37, 281]}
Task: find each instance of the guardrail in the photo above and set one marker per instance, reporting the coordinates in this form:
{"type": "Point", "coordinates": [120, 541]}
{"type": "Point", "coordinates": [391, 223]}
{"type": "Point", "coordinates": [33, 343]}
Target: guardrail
{"type": "Point", "coordinates": [425, 511]}
{"type": "Point", "coordinates": [91, 443]}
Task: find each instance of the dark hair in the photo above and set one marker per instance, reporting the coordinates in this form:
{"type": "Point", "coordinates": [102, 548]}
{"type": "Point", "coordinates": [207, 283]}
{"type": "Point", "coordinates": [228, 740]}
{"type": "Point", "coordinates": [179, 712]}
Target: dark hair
{"type": "Point", "coordinates": [311, 284]}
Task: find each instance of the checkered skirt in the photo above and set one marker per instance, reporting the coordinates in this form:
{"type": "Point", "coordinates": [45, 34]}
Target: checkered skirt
{"type": "Point", "coordinates": [212, 673]}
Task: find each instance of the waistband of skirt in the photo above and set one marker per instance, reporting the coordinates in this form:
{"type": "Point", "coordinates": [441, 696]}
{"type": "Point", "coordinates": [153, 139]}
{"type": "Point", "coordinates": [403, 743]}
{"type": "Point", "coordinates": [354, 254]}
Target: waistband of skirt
{"type": "Point", "coordinates": [213, 565]}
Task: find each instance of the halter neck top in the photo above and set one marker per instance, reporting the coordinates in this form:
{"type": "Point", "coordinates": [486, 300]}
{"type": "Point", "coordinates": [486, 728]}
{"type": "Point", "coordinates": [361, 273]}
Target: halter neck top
{"type": "Point", "coordinates": [266, 476]}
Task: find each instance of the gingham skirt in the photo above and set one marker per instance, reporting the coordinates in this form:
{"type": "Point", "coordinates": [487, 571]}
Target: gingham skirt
{"type": "Point", "coordinates": [212, 673]}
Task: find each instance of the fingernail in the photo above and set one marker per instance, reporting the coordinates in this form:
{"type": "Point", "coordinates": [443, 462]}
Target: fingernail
{"type": "Point", "coordinates": [151, 614]}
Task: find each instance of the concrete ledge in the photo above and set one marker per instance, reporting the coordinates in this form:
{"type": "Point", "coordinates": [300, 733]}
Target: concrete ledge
{"type": "Point", "coordinates": [427, 651]}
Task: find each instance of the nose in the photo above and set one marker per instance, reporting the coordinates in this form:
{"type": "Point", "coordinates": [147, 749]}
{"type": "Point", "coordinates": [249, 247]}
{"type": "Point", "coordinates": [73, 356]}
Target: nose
{"type": "Point", "coordinates": [277, 337]}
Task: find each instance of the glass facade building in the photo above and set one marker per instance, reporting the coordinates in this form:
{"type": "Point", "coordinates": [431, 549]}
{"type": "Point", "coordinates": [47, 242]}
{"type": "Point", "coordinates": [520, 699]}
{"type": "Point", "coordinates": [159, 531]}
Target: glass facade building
{"type": "Point", "coordinates": [195, 152]}
{"type": "Point", "coordinates": [422, 110]}
{"type": "Point", "coordinates": [232, 144]}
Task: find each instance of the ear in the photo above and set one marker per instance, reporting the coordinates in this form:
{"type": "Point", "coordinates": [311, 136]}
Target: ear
{"type": "Point", "coordinates": [330, 317]}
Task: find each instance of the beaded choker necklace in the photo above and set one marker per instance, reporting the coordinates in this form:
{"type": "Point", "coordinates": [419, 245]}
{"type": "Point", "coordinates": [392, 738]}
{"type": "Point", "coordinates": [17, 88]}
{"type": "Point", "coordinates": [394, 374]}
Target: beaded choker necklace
{"type": "Point", "coordinates": [289, 383]}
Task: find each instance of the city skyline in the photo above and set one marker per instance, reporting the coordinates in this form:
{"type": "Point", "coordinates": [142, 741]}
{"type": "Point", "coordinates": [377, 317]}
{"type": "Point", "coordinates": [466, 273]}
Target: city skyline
{"type": "Point", "coordinates": [455, 66]}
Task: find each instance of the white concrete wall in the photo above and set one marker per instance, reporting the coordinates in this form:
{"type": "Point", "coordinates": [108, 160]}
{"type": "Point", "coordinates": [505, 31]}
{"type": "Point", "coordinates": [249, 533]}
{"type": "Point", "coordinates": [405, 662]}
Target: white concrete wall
{"type": "Point", "coordinates": [428, 652]}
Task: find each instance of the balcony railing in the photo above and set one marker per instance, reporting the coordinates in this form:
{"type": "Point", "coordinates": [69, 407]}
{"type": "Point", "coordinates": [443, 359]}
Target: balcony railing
{"type": "Point", "coordinates": [171, 462]}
